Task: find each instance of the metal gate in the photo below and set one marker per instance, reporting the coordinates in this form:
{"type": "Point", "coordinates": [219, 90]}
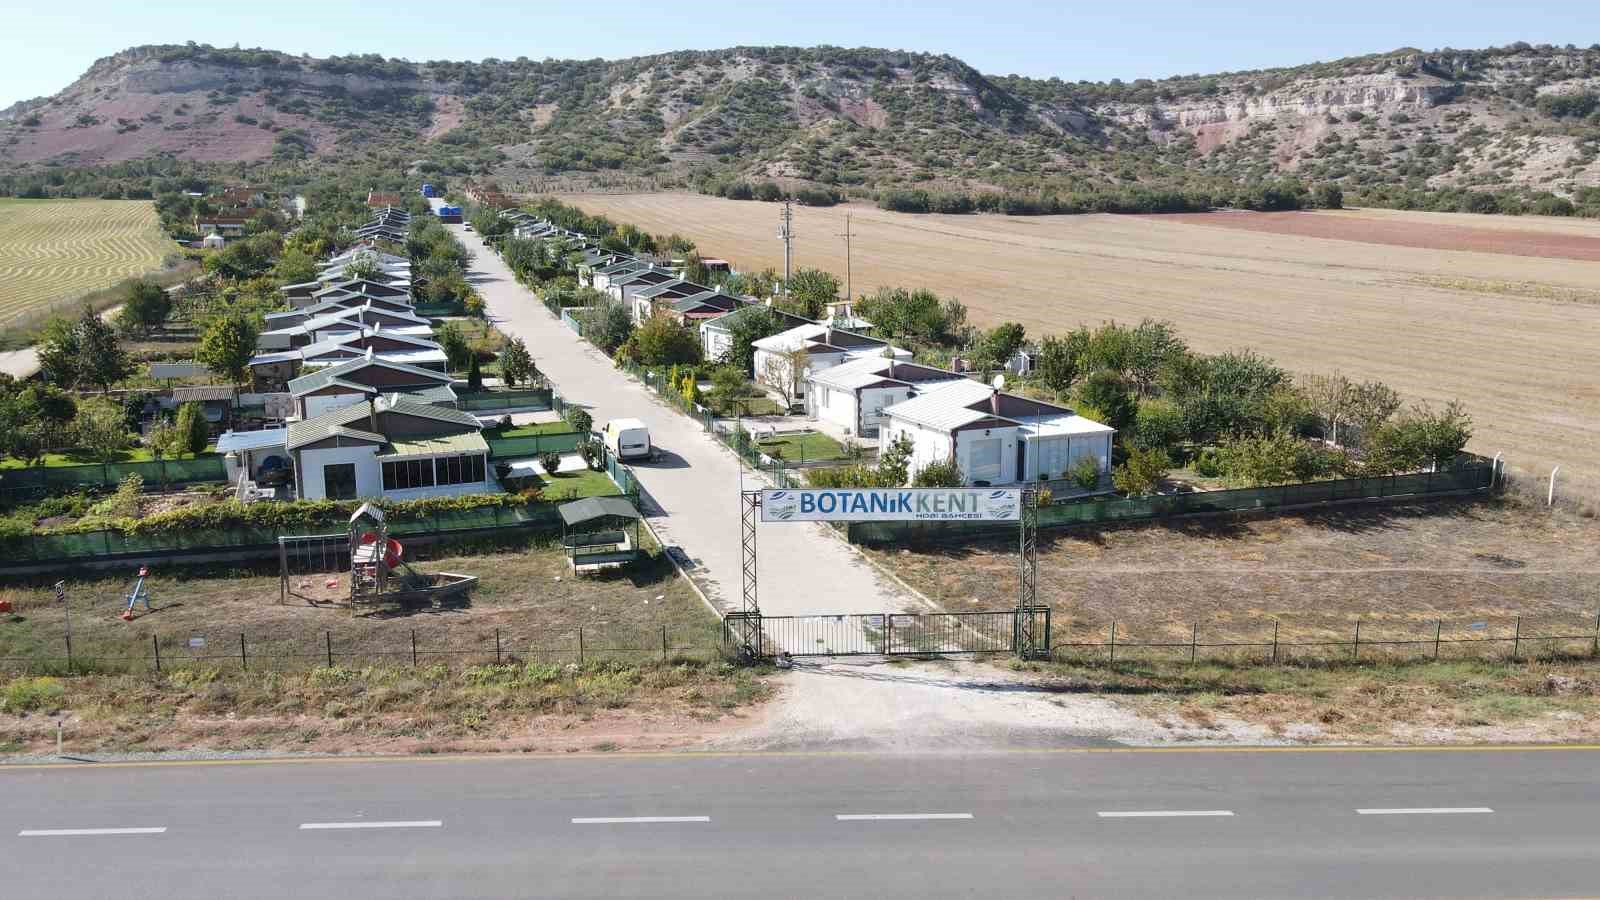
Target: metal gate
{"type": "Point", "coordinates": [891, 634]}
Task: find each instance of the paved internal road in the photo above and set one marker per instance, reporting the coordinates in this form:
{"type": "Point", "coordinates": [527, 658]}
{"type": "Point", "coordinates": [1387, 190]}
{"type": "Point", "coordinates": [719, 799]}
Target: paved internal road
{"type": "Point", "coordinates": [1136, 824]}
{"type": "Point", "coordinates": [804, 570]}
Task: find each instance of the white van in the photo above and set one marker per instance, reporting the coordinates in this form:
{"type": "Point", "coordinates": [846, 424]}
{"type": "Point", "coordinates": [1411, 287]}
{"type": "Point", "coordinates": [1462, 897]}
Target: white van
{"type": "Point", "coordinates": [627, 438]}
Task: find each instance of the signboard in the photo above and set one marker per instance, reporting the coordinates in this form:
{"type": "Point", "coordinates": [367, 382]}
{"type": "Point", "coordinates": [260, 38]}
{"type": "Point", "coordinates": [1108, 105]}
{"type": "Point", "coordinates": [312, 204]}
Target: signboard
{"type": "Point", "coordinates": [195, 643]}
{"type": "Point", "coordinates": [892, 505]}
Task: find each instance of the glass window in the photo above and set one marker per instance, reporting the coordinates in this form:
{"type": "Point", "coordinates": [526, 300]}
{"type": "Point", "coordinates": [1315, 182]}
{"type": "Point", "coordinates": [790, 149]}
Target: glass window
{"type": "Point", "coordinates": [411, 473]}
{"type": "Point", "coordinates": [339, 481]}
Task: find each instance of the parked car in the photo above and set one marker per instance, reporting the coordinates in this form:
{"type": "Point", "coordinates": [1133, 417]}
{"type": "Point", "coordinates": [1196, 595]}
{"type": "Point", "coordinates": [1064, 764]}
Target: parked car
{"type": "Point", "coordinates": [627, 439]}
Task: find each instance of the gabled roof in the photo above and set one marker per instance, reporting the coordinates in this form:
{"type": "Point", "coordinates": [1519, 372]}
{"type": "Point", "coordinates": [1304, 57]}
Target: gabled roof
{"type": "Point", "coordinates": [873, 369]}
{"type": "Point", "coordinates": [948, 408]}
{"type": "Point", "coordinates": [337, 423]}
{"type": "Point", "coordinates": [715, 300]}
{"type": "Point", "coordinates": [724, 322]}
{"type": "Point", "coordinates": [305, 384]}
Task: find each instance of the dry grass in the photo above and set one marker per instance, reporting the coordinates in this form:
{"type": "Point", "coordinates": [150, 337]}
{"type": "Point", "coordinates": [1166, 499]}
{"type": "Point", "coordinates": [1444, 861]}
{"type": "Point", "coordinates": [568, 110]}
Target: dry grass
{"type": "Point", "coordinates": [626, 691]}
{"type": "Point", "coordinates": [1396, 569]}
{"type": "Point", "coordinates": [1417, 703]}
{"type": "Point", "coordinates": [51, 250]}
{"type": "Point", "coordinates": [1524, 366]}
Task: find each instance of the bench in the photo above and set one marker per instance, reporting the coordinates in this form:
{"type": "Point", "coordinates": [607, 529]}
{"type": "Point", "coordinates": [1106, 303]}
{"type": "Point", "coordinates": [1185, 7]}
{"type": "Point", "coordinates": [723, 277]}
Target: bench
{"type": "Point", "coordinates": [601, 548]}
{"type": "Point", "coordinates": [594, 539]}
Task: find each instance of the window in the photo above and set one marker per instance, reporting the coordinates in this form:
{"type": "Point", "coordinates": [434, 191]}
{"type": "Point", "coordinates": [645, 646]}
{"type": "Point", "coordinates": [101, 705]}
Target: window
{"type": "Point", "coordinates": [986, 460]}
{"type": "Point", "coordinates": [410, 473]}
{"type": "Point", "coordinates": [459, 469]}
{"type": "Point", "coordinates": [339, 481]}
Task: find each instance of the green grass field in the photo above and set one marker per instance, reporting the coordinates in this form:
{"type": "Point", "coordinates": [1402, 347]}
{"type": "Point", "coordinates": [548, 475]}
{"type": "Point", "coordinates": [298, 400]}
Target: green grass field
{"type": "Point", "coordinates": [802, 447]}
{"type": "Point", "coordinates": [54, 250]}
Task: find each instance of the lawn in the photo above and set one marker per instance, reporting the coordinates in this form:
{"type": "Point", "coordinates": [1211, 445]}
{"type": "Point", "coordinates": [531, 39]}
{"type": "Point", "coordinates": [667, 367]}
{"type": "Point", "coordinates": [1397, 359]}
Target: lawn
{"type": "Point", "coordinates": [532, 429]}
{"type": "Point", "coordinates": [800, 448]}
{"type": "Point", "coordinates": [80, 457]}
{"type": "Point", "coordinates": [527, 611]}
{"type": "Point", "coordinates": [577, 485]}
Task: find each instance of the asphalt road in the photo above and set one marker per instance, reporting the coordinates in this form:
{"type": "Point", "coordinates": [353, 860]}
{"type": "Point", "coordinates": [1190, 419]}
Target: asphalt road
{"type": "Point", "coordinates": [803, 568]}
{"type": "Point", "coordinates": [1511, 823]}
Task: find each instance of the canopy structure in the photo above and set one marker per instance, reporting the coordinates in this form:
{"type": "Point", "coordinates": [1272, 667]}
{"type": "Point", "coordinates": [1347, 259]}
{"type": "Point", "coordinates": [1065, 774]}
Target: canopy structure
{"type": "Point", "coordinates": [596, 532]}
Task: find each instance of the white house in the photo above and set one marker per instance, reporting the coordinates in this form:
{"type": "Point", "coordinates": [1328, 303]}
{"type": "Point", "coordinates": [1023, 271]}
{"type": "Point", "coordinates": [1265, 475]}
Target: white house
{"type": "Point", "coordinates": [823, 346]}
{"type": "Point", "coordinates": [853, 395]}
{"type": "Point", "coordinates": [392, 447]}
{"type": "Point", "coordinates": [716, 333]}
{"type": "Point", "coordinates": [995, 437]}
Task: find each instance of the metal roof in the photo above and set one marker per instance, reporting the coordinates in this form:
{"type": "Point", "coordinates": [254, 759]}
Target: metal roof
{"type": "Point", "coordinates": [594, 508]}
{"type": "Point", "coordinates": [330, 424]}
{"type": "Point", "coordinates": [231, 441]}
{"type": "Point", "coordinates": [322, 377]}
{"type": "Point", "coordinates": [202, 393]}
{"type": "Point", "coordinates": [947, 408]}
{"type": "Point", "coordinates": [465, 442]}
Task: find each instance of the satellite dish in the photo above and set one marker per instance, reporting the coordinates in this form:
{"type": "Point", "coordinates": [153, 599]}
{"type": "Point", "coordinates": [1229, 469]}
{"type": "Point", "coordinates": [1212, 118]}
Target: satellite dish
{"type": "Point", "coordinates": [999, 382]}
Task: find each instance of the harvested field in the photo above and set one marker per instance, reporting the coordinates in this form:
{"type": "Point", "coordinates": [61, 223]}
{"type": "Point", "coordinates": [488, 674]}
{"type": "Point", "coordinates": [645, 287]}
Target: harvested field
{"type": "Point", "coordinates": [54, 250]}
{"type": "Point", "coordinates": [1462, 235]}
{"type": "Point", "coordinates": [1396, 569]}
{"type": "Point", "coordinates": [1523, 364]}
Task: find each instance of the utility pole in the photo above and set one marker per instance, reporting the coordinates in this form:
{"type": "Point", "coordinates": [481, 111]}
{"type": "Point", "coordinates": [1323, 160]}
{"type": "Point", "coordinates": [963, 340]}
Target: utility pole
{"type": "Point", "coordinates": [849, 295]}
{"type": "Point", "coordinates": [786, 234]}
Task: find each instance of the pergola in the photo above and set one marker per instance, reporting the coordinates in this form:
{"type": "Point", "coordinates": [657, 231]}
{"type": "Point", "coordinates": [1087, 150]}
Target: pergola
{"type": "Point", "coordinates": [596, 532]}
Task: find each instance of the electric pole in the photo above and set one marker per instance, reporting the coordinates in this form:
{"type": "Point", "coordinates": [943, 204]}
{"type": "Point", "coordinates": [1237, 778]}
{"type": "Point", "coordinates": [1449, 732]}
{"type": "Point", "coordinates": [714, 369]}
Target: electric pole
{"type": "Point", "coordinates": [849, 296]}
{"type": "Point", "coordinates": [786, 234]}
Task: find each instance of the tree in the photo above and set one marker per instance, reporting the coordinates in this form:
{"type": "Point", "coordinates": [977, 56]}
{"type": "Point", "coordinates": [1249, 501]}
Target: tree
{"type": "Point", "coordinates": [59, 351]}
{"type": "Point", "coordinates": [1372, 403]}
{"type": "Point", "coordinates": [809, 291]}
{"type": "Point", "coordinates": [1142, 472]}
{"type": "Point", "coordinates": [727, 385]}
{"type": "Point", "coordinates": [1056, 365]}
{"type": "Point", "coordinates": [1255, 460]}
{"type": "Point", "coordinates": [144, 309]}
{"type": "Point", "coordinates": [227, 345]}
{"type": "Point", "coordinates": [550, 461]}
{"type": "Point", "coordinates": [1149, 346]}
{"type": "Point", "coordinates": [786, 372]}
{"type": "Point", "coordinates": [1159, 425]}
{"type": "Point", "coordinates": [607, 325]}
{"type": "Point", "coordinates": [1330, 398]}
{"type": "Point", "coordinates": [1003, 341]}
{"type": "Point", "coordinates": [944, 473]}
{"type": "Point", "coordinates": [363, 266]}
{"type": "Point", "coordinates": [295, 266]}
{"type": "Point", "coordinates": [472, 304]}
{"type": "Point", "coordinates": [457, 351]}
{"type": "Point", "coordinates": [100, 430]}
{"type": "Point", "coordinates": [192, 433]}
{"type": "Point", "coordinates": [661, 341]}
{"type": "Point", "coordinates": [516, 364]}
{"type": "Point", "coordinates": [47, 411]}
{"type": "Point", "coordinates": [745, 327]}
{"type": "Point", "coordinates": [894, 463]}
{"type": "Point", "coordinates": [101, 359]}
{"type": "Point", "coordinates": [579, 419]}
{"type": "Point", "coordinates": [1419, 438]}
{"type": "Point", "coordinates": [474, 375]}
{"type": "Point", "coordinates": [1107, 392]}
{"type": "Point", "coordinates": [1330, 196]}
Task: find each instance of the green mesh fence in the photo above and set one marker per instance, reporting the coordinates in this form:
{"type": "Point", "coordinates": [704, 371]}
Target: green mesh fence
{"type": "Point", "coordinates": [533, 444]}
{"type": "Point", "coordinates": [533, 399]}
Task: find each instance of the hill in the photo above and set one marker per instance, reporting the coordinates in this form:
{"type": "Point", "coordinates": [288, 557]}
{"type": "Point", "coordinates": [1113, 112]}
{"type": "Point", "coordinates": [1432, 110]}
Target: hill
{"type": "Point", "coordinates": [1519, 117]}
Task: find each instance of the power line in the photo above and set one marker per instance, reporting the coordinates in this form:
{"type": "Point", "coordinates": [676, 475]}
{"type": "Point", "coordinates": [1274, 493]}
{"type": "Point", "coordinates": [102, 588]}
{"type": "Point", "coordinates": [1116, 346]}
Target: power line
{"type": "Point", "coordinates": [849, 295]}
{"type": "Point", "coordinates": [786, 234]}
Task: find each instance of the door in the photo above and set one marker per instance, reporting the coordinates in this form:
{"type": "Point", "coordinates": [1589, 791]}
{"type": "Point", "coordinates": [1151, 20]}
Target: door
{"type": "Point", "coordinates": [339, 481]}
{"type": "Point", "coordinates": [985, 461]}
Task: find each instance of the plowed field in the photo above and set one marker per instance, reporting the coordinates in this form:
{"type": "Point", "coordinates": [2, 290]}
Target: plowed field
{"type": "Point", "coordinates": [52, 250]}
{"type": "Point", "coordinates": [1515, 337]}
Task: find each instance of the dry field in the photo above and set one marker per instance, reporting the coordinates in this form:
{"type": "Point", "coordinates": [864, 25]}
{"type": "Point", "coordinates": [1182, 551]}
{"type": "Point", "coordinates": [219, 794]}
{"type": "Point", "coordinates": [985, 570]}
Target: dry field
{"type": "Point", "coordinates": [53, 250]}
{"type": "Point", "coordinates": [1396, 569]}
{"type": "Point", "coordinates": [1512, 336]}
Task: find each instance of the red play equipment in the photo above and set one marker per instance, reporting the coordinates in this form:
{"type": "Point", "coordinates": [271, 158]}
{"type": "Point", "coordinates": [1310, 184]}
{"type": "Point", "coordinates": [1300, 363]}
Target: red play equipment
{"type": "Point", "coordinates": [392, 553]}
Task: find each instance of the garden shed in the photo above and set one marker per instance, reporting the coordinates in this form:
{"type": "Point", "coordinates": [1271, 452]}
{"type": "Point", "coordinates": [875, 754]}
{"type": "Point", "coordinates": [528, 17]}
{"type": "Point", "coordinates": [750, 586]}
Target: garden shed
{"type": "Point", "coordinates": [599, 531]}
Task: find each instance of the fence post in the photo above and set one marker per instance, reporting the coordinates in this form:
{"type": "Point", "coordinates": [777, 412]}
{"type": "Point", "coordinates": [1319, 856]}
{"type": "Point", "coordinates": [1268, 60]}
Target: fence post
{"type": "Point", "coordinates": [155, 642]}
{"type": "Point", "coordinates": [328, 636]}
{"type": "Point", "coordinates": [1356, 648]}
{"type": "Point", "coordinates": [580, 646]}
{"type": "Point", "coordinates": [1113, 641]}
{"type": "Point", "coordinates": [1516, 640]}
{"type": "Point", "coordinates": [244, 657]}
{"type": "Point", "coordinates": [1274, 641]}
{"type": "Point", "coordinates": [413, 648]}
{"type": "Point", "coordinates": [888, 633]}
{"type": "Point", "coordinates": [1194, 641]}
{"type": "Point", "coordinates": [1594, 649]}
{"type": "Point", "coordinates": [1438, 626]}
{"type": "Point", "coordinates": [663, 643]}
{"type": "Point", "coordinates": [497, 646]}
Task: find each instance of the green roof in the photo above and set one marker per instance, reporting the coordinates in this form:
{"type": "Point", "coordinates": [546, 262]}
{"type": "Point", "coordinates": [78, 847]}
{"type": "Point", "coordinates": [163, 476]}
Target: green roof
{"type": "Point", "coordinates": [427, 446]}
{"type": "Point", "coordinates": [338, 422]}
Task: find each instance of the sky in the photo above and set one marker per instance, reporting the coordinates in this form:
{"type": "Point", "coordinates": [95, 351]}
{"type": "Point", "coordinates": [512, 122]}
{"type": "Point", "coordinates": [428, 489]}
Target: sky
{"type": "Point", "coordinates": [45, 46]}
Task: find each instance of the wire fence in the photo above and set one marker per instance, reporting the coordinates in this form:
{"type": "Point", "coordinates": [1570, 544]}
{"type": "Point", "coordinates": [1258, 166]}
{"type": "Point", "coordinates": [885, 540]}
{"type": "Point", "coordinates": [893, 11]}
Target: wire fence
{"type": "Point", "coordinates": [34, 482]}
{"type": "Point", "coordinates": [381, 645]}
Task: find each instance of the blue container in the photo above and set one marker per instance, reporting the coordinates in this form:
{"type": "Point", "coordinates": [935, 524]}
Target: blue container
{"type": "Point", "coordinates": [428, 191]}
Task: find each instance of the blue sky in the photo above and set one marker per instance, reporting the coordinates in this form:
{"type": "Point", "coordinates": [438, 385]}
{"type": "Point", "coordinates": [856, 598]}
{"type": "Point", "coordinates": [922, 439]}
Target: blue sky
{"type": "Point", "coordinates": [44, 46]}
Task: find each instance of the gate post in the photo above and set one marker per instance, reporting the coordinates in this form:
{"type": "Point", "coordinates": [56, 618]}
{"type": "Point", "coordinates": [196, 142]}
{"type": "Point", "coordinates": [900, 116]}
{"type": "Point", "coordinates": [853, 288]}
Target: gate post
{"type": "Point", "coordinates": [1028, 641]}
{"type": "Point", "coordinates": [747, 621]}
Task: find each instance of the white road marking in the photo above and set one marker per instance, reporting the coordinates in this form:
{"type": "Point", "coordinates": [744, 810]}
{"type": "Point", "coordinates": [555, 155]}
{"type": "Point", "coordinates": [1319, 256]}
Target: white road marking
{"type": "Point", "coordinates": [1425, 811]}
{"type": "Point", "coordinates": [899, 817]}
{"type": "Point", "coordinates": [1163, 813]}
{"type": "Point", "coordinates": [632, 820]}
{"type": "Point", "coordinates": [67, 832]}
{"type": "Point", "coordinates": [331, 826]}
